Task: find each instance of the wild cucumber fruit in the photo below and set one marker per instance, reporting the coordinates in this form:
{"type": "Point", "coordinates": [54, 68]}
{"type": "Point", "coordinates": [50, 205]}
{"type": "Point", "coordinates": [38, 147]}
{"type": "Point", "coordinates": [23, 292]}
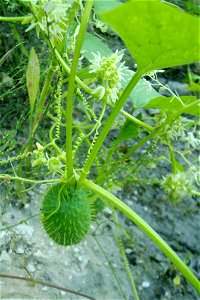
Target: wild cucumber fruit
{"type": "Point", "coordinates": [66, 214]}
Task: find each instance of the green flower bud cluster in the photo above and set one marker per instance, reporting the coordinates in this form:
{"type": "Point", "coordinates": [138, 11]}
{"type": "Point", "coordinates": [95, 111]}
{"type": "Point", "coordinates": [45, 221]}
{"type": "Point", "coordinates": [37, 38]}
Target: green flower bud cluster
{"type": "Point", "coordinates": [191, 140]}
{"type": "Point", "coordinates": [160, 118]}
{"type": "Point", "coordinates": [174, 130]}
{"type": "Point", "coordinates": [108, 72]}
{"type": "Point", "coordinates": [39, 156]}
{"type": "Point", "coordinates": [177, 186]}
{"type": "Point", "coordinates": [53, 163]}
{"type": "Point", "coordinates": [99, 24]}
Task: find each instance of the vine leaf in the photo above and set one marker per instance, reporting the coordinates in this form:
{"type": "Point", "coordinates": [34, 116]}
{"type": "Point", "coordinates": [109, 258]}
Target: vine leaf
{"type": "Point", "coordinates": [158, 35]}
{"type": "Point", "coordinates": [32, 78]}
{"type": "Point", "coordinates": [194, 87]}
{"type": "Point", "coordinates": [172, 104]}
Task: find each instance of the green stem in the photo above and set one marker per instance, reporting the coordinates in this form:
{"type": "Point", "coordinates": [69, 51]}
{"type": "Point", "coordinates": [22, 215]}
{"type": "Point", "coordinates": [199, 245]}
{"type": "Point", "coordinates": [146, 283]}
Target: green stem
{"type": "Point", "coordinates": [67, 69]}
{"type": "Point", "coordinates": [71, 87]}
{"type": "Point", "coordinates": [137, 121]}
{"type": "Point", "coordinates": [173, 159]}
{"type": "Point", "coordinates": [164, 247]}
{"type": "Point", "coordinates": [15, 32]}
{"type": "Point", "coordinates": [108, 124]}
{"type": "Point", "coordinates": [98, 123]}
{"type": "Point", "coordinates": [7, 178]}
{"type": "Point", "coordinates": [18, 223]}
{"type": "Point", "coordinates": [14, 19]}
{"type": "Point", "coordinates": [55, 119]}
{"type": "Point", "coordinates": [33, 281]}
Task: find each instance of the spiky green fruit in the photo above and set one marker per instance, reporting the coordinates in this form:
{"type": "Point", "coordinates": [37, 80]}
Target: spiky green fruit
{"type": "Point", "coordinates": [66, 214]}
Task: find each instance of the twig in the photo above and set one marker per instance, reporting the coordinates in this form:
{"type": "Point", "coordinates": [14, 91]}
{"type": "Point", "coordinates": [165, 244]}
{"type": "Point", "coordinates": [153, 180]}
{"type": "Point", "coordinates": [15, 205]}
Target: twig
{"type": "Point", "coordinates": [46, 284]}
{"type": "Point", "coordinates": [20, 222]}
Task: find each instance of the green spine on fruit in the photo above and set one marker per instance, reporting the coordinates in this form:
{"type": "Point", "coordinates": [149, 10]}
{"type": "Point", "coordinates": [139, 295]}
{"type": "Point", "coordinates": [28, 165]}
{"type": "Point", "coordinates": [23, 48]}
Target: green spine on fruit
{"type": "Point", "coordinates": [66, 214]}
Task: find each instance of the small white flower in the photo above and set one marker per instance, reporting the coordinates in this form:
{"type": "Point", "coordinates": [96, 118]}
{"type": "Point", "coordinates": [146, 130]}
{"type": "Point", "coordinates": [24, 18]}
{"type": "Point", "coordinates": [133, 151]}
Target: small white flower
{"type": "Point", "coordinates": [174, 130]}
{"type": "Point", "coordinates": [50, 17]}
{"type": "Point", "coordinates": [192, 140]}
{"type": "Point", "coordinates": [109, 72]}
{"type": "Point", "coordinates": [112, 95]}
{"type": "Point", "coordinates": [95, 63]}
{"type": "Point", "coordinates": [177, 129]}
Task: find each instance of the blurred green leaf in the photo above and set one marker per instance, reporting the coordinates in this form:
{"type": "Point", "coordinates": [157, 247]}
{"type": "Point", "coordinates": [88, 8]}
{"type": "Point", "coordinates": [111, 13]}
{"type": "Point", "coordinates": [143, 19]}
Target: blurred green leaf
{"type": "Point", "coordinates": [33, 77]}
{"type": "Point", "coordinates": [193, 6]}
{"type": "Point", "coordinates": [104, 5]}
{"type": "Point", "coordinates": [142, 93]}
{"type": "Point", "coordinates": [177, 280]}
{"type": "Point", "coordinates": [157, 34]}
{"type": "Point", "coordinates": [129, 130]}
{"type": "Point", "coordinates": [93, 44]}
{"type": "Point", "coordinates": [193, 87]}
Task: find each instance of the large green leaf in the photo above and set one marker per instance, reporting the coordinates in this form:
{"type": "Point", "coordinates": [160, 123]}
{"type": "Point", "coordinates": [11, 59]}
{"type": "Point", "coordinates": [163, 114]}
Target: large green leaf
{"type": "Point", "coordinates": [33, 77]}
{"type": "Point", "coordinates": [157, 34]}
{"type": "Point", "coordinates": [172, 105]}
